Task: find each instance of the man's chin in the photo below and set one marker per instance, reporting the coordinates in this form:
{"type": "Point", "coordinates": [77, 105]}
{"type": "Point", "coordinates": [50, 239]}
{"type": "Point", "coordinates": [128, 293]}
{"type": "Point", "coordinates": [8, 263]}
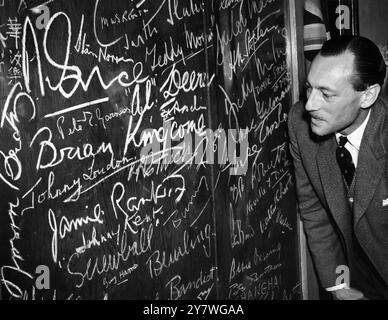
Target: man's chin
{"type": "Point", "coordinates": [319, 131]}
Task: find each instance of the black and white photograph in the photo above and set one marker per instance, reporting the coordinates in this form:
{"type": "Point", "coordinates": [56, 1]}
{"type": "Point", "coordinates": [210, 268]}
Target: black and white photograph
{"type": "Point", "coordinates": [193, 155]}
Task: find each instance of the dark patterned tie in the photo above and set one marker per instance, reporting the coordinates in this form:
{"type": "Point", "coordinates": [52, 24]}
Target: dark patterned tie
{"type": "Point", "coordinates": [345, 161]}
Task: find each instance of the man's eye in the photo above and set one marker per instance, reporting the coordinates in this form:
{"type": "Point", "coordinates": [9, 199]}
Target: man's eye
{"type": "Point", "coordinates": [326, 95]}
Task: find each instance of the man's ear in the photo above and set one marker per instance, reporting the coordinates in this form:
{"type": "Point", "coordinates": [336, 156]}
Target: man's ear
{"type": "Point", "coordinates": [370, 96]}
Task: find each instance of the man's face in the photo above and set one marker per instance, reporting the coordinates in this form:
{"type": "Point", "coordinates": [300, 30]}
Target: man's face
{"type": "Point", "coordinates": [333, 104]}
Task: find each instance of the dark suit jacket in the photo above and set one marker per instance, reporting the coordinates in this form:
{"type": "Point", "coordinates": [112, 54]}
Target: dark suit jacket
{"type": "Point", "coordinates": [322, 196]}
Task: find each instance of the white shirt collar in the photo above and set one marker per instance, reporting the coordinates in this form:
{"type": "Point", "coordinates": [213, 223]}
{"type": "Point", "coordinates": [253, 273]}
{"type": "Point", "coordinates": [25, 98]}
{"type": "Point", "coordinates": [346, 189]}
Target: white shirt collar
{"type": "Point", "coordinates": [356, 136]}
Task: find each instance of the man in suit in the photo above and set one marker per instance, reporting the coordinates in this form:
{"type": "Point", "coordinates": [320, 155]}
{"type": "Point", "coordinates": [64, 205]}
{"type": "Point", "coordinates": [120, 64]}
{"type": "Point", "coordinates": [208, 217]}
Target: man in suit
{"type": "Point", "coordinates": [339, 143]}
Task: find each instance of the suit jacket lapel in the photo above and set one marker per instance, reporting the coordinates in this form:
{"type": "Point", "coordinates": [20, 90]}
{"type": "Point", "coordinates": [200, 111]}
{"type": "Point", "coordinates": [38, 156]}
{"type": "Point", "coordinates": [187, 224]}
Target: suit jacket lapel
{"type": "Point", "coordinates": [371, 160]}
{"type": "Point", "coordinates": [332, 182]}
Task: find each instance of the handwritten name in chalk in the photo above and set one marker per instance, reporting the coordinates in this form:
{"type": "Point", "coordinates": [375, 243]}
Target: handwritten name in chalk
{"type": "Point", "coordinates": [170, 52]}
{"type": "Point", "coordinates": [225, 37]}
{"type": "Point", "coordinates": [266, 127]}
{"type": "Point", "coordinates": [202, 182]}
{"type": "Point", "coordinates": [101, 54]}
{"type": "Point", "coordinates": [69, 74]}
{"type": "Point", "coordinates": [106, 263]}
{"type": "Point", "coordinates": [190, 81]}
{"type": "Point", "coordinates": [161, 260]}
{"type": "Point", "coordinates": [48, 147]}
{"type": "Point", "coordinates": [264, 257]}
{"type": "Point", "coordinates": [194, 41]}
{"type": "Point", "coordinates": [282, 189]}
{"type": "Point", "coordinates": [179, 10]}
{"type": "Point", "coordinates": [172, 108]}
{"type": "Point", "coordinates": [178, 288]}
{"type": "Point", "coordinates": [268, 270]}
{"type": "Point", "coordinates": [262, 170]}
{"type": "Point", "coordinates": [283, 221]}
{"type": "Point", "coordinates": [253, 203]}
{"type": "Point", "coordinates": [66, 225]}
{"type": "Point", "coordinates": [238, 267]}
{"type": "Point", "coordinates": [12, 168]}
{"type": "Point", "coordinates": [41, 192]}
{"type": "Point", "coordinates": [225, 4]}
{"type": "Point", "coordinates": [140, 39]}
{"type": "Point", "coordinates": [128, 271]}
{"type": "Point", "coordinates": [237, 190]}
{"type": "Point", "coordinates": [97, 239]}
{"type": "Point", "coordinates": [123, 17]}
{"type": "Point", "coordinates": [239, 233]}
{"type": "Point", "coordinates": [265, 289]}
{"type": "Point", "coordinates": [113, 282]}
{"type": "Point", "coordinates": [131, 207]}
{"type": "Point", "coordinates": [14, 276]}
{"type": "Point", "coordinates": [78, 124]}
{"type": "Point", "coordinates": [257, 7]}
{"type": "Point", "coordinates": [204, 294]}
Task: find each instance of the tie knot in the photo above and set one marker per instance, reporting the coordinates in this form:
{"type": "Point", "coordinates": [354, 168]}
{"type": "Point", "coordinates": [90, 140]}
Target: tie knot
{"type": "Point", "coordinates": [342, 141]}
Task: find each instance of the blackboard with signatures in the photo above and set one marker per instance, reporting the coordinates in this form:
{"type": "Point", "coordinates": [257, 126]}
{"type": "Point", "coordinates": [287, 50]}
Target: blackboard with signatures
{"type": "Point", "coordinates": [143, 150]}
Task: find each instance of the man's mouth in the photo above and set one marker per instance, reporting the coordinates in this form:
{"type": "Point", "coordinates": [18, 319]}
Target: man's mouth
{"type": "Point", "coordinates": [316, 118]}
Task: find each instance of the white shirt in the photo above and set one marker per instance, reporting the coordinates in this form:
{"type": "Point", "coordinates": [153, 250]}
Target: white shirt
{"type": "Point", "coordinates": [354, 140]}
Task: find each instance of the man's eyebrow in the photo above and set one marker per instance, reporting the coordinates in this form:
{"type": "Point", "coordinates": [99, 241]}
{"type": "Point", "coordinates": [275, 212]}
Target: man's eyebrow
{"type": "Point", "coordinates": [322, 88]}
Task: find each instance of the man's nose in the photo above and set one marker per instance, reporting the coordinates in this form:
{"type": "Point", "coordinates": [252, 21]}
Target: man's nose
{"type": "Point", "coordinates": [312, 103]}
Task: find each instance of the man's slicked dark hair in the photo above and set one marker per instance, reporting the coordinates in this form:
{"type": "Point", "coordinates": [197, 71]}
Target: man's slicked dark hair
{"type": "Point", "coordinates": [369, 66]}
